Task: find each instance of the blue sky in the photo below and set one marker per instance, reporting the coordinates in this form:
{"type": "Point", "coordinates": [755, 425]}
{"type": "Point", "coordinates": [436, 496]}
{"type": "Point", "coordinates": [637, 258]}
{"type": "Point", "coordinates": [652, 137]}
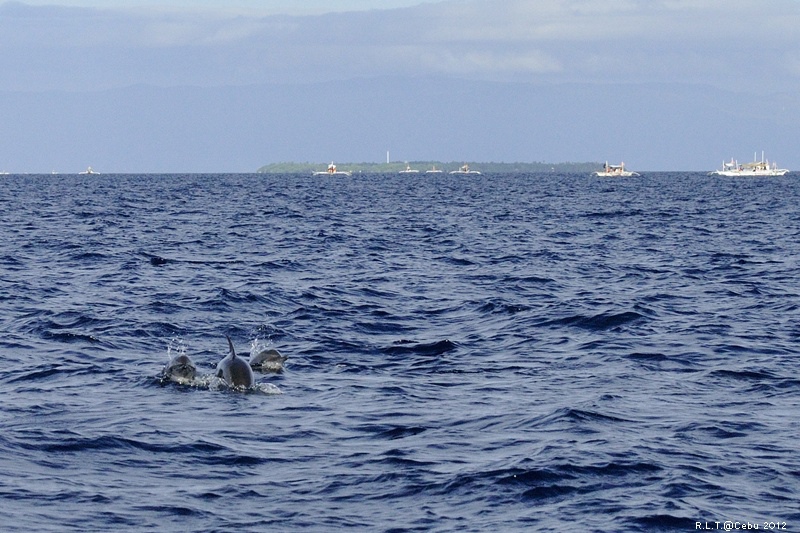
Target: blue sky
{"type": "Point", "coordinates": [748, 48]}
{"type": "Point", "coordinates": [251, 7]}
{"type": "Point", "coordinates": [736, 44]}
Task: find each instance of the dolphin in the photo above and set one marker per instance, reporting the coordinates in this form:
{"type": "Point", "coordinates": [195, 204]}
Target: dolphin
{"type": "Point", "coordinates": [268, 360]}
{"type": "Point", "coordinates": [180, 369]}
{"type": "Point", "coordinates": [235, 370]}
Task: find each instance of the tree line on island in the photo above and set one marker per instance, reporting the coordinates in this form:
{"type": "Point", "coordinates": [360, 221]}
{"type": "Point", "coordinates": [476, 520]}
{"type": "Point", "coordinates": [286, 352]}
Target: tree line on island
{"type": "Point", "coordinates": [422, 166]}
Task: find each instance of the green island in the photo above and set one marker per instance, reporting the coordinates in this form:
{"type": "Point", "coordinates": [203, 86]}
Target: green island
{"type": "Point", "coordinates": [422, 166]}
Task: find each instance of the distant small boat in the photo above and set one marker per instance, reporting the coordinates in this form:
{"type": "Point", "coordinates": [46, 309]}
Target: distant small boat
{"type": "Point", "coordinates": [756, 168]}
{"type": "Point", "coordinates": [615, 171]}
{"type": "Point", "coordinates": [332, 171]}
{"type": "Point", "coordinates": [464, 170]}
{"type": "Point", "coordinates": [409, 170]}
{"type": "Point", "coordinates": [89, 170]}
{"type": "Point", "coordinates": [434, 170]}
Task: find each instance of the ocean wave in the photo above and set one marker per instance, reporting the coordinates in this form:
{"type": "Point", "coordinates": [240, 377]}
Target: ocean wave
{"type": "Point", "coordinates": [429, 349]}
{"type": "Point", "coordinates": [599, 322]}
{"type": "Point", "coordinates": [546, 352]}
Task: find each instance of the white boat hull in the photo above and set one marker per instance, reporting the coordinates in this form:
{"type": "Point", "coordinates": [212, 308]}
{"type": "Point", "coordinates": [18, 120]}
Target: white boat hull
{"type": "Point", "coordinates": [337, 173]}
{"type": "Point", "coordinates": [755, 169]}
{"type": "Point", "coordinates": [615, 171]}
{"type": "Point", "coordinates": [464, 169]}
{"type": "Point", "coordinates": [89, 170]}
{"type": "Point", "coordinates": [625, 174]}
{"type": "Point", "coordinates": [751, 173]}
{"type": "Point", "coordinates": [332, 171]}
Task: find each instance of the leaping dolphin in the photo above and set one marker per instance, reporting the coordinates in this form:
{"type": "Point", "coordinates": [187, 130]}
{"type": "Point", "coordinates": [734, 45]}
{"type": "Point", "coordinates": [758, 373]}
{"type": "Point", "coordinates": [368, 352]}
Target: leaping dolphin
{"type": "Point", "coordinates": [180, 369]}
{"type": "Point", "coordinates": [235, 370]}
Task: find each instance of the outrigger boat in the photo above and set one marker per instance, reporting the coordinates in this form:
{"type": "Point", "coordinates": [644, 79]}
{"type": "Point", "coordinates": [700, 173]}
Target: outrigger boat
{"type": "Point", "coordinates": [409, 170]}
{"type": "Point", "coordinates": [756, 168]}
{"type": "Point", "coordinates": [615, 171]}
{"type": "Point", "coordinates": [332, 171]}
{"type": "Point", "coordinates": [464, 170]}
{"type": "Point", "coordinates": [434, 170]}
{"type": "Point", "coordinates": [89, 170]}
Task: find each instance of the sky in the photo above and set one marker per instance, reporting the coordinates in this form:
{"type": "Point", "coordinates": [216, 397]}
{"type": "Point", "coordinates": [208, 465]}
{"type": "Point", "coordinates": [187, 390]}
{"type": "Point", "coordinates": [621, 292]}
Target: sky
{"type": "Point", "coordinates": [247, 7]}
{"type": "Point", "coordinates": [736, 44]}
{"type": "Point", "coordinates": [749, 48]}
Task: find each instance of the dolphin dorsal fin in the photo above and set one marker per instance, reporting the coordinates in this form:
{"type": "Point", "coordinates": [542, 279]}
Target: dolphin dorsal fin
{"type": "Point", "coordinates": [233, 352]}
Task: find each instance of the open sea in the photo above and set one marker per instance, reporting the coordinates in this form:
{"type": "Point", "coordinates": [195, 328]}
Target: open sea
{"type": "Point", "coordinates": [465, 353]}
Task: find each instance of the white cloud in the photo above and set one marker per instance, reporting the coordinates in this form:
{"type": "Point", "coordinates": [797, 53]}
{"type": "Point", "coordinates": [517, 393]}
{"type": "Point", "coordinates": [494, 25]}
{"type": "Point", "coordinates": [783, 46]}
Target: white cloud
{"type": "Point", "coordinates": [598, 20]}
{"type": "Point", "coordinates": [166, 33]}
{"type": "Point", "coordinates": [241, 7]}
{"type": "Point", "coordinates": [703, 41]}
{"type": "Point", "coordinates": [487, 62]}
{"type": "Point", "coordinates": [175, 32]}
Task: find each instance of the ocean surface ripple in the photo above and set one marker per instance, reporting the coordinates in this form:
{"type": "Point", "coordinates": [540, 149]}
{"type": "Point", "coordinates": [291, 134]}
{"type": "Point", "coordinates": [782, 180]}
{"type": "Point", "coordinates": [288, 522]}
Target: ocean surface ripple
{"type": "Point", "coordinates": [493, 353]}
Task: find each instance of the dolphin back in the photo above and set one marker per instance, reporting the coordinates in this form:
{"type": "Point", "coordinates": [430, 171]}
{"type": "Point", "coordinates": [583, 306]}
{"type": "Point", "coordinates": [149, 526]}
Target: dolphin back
{"type": "Point", "coordinates": [235, 370]}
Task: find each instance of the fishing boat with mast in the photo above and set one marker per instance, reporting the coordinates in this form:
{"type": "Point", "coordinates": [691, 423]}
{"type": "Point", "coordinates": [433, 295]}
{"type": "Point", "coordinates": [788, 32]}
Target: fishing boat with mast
{"type": "Point", "coordinates": [464, 170]}
{"type": "Point", "coordinates": [333, 171]}
{"type": "Point", "coordinates": [755, 168]}
{"type": "Point", "coordinates": [433, 170]}
{"type": "Point", "coordinates": [615, 171]}
{"type": "Point", "coordinates": [409, 170]}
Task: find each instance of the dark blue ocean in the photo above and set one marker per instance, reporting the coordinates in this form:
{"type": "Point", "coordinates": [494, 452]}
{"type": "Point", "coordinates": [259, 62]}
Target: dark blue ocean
{"type": "Point", "coordinates": [476, 353]}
